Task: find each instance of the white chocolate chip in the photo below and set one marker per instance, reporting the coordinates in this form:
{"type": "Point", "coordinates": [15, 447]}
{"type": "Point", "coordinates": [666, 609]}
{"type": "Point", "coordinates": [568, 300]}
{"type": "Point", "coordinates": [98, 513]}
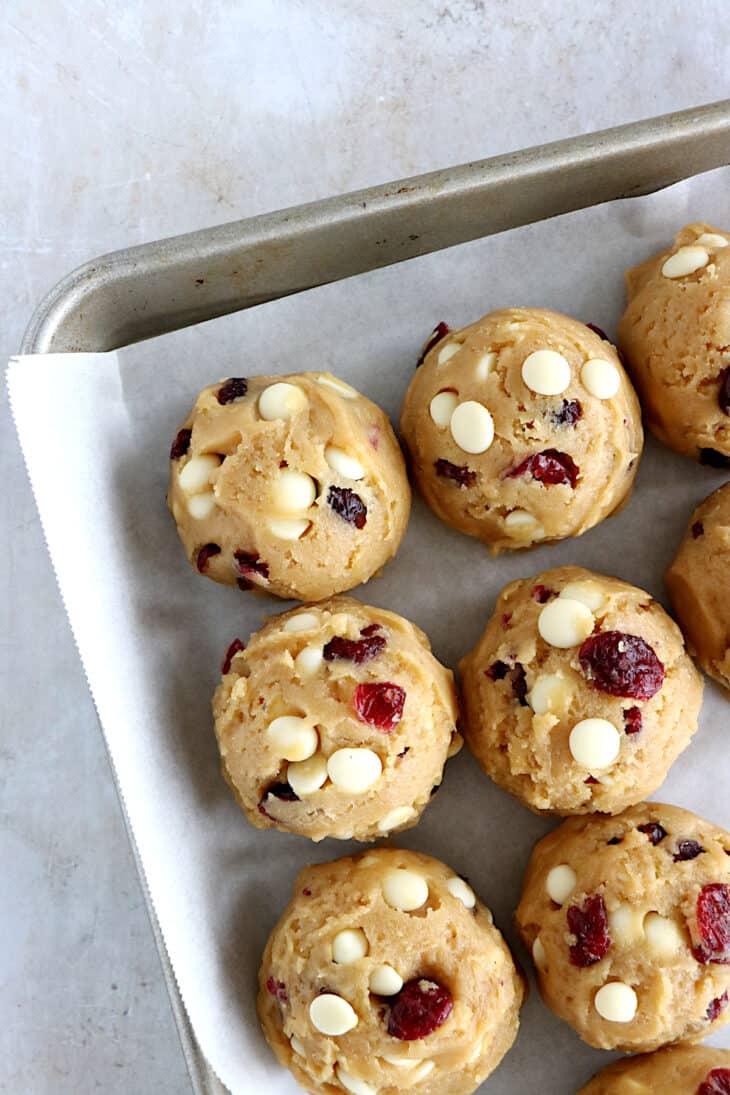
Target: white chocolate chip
{"type": "Point", "coordinates": [399, 1062]}
{"type": "Point", "coordinates": [307, 776]}
{"type": "Point", "coordinates": [594, 743]}
{"type": "Point", "coordinates": [485, 364]}
{"type": "Point", "coordinates": [281, 400]}
{"type": "Point", "coordinates": [195, 476]}
{"type": "Point", "coordinates": [442, 406]}
{"type": "Point", "coordinates": [297, 1046]}
{"type": "Point", "coordinates": [423, 1070]}
{"type": "Point", "coordinates": [354, 770]}
{"type": "Point", "coordinates": [303, 621]}
{"type": "Point", "coordinates": [348, 946]}
{"type": "Point", "coordinates": [447, 352]}
{"type": "Point", "coordinates": [399, 816]}
{"type": "Point", "coordinates": [663, 935]}
{"type": "Point", "coordinates": [308, 661]}
{"type": "Point", "coordinates": [289, 528]}
{"type": "Point", "coordinates": [332, 1015]}
{"type": "Point", "coordinates": [560, 883]}
{"type": "Point", "coordinates": [711, 240]}
{"type": "Point", "coordinates": [294, 491]}
{"type": "Point", "coordinates": [521, 525]}
{"type": "Point", "coordinates": [405, 890]}
{"type": "Point", "coordinates": [588, 593]}
{"type": "Point", "coordinates": [685, 261]}
{"type": "Point", "coordinates": [539, 957]}
{"type": "Point", "coordinates": [338, 386]}
{"type": "Point", "coordinates": [616, 1001]}
{"type": "Point", "coordinates": [600, 378]}
{"type": "Point", "coordinates": [385, 981]}
{"type": "Point", "coordinates": [564, 623]}
{"type": "Point", "coordinates": [344, 464]}
{"type": "Point", "coordinates": [550, 694]}
{"type": "Point", "coordinates": [201, 506]}
{"type": "Point", "coordinates": [292, 737]}
{"type": "Point", "coordinates": [472, 427]}
{"type": "Point", "coordinates": [461, 890]}
{"type": "Point", "coordinates": [546, 372]}
{"type": "Point", "coordinates": [626, 924]}
{"type": "Point", "coordinates": [353, 1084]}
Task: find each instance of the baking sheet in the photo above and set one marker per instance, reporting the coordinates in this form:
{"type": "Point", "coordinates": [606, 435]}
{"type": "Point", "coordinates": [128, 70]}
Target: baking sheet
{"type": "Point", "coordinates": [96, 429]}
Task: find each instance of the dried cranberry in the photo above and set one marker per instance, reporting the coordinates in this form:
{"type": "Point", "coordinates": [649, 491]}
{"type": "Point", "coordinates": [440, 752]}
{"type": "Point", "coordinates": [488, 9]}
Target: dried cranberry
{"type": "Point", "coordinates": [698, 529]}
{"type": "Point", "coordinates": [419, 1009]}
{"type": "Point", "coordinates": [282, 791]}
{"type": "Point", "coordinates": [244, 584]}
{"type": "Point", "coordinates": [590, 780]}
{"type": "Point", "coordinates": [353, 650]}
{"type": "Point", "coordinates": [714, 459]}
{"type": "Point", "coordinates": [277, 989]}
{"type": "Point", "coordinates": [716, 1082]}
{"type": "Point", "coordinates": [723, 396]}
{"type": "Point", "coordinates": [380, 704]}
{"type": "Point", "coordinates": [235, 388]}
{"type": "Point", "coordinates": [370, 629]}
{"type": "Point", "coordinates": [716, 1007]}
{"type": "Point", "coordinates": [713, 924]}
{"type": "Point", "coordinates": [204, 554]}
{"type": "Point", "coordinates": [404, 752]}
{"type": "Point", "coordinates": [687, 849]}
{"type": "Point", "coordinates": [235, 647]}
{"type": "Point", "coordinates": [622, 665]}
{"type": "Point", "coordinates": [348, 505]}
{"type": "Point", "coordinates": [541, 594]}
{"type": "Point", "coordinates": [249, 565]}
{"type": "Point", "coordinates": [598, 331]}
{"type": "Point", "coordinates": [632, 720]}
{"type": "Point", "coordinates": [550, 467]}
{"type": "Point", "coordinates": [653, 830]}
{"type": "Point", "coordinates": [181, 444]}
{"type": "Point", "coordinates": [506, 619]}
{"type": "Point", "coordinates": [307, 892]}
{"type": "Point", "coordinates": [497, 671]}
{"type": "Point", "coordinates": [589, 924]}
{"type": "Point", "coordinates": [464, 476]}
{"type": "Point", "coordinates": [519, 684]}
{"type": "Point", "coordinates": [615, 840]}
{"type": "Point", "coordinates": [440, 331]}
{"type": "Point", "coordinates": [568, 413]}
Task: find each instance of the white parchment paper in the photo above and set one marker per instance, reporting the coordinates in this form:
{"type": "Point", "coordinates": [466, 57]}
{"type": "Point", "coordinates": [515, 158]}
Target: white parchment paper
{"type": "Point", "coordinates": [96, 429]}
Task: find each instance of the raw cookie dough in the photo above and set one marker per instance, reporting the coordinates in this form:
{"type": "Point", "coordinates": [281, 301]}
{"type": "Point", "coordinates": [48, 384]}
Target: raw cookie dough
{"type": "Point", "coordinates": [336, 720]}
{"type": "Point", "coordinates": [628, 921]}
{"type": "Point", "coordinates": [675, 336]}
{"type": "Point", "coordinates": [699, 585]}
{"type": "Point", "coordinates": [579, 695]}
{"type": "Point", "coordinates": [386, 974]}
{"type": "Point", "coordinates": [679, 1070]}
{"type": "Point", "coordinates": [291, 485]}
{"type": "Point", "coordinates": [521, 428]}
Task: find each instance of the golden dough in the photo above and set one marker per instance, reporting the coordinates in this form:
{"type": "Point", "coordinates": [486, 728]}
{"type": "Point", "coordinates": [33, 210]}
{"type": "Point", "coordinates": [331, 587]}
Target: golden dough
{"type": "Point", "coordinates": [679, 1070]}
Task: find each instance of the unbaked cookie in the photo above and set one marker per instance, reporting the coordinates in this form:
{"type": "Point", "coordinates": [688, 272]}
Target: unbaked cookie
{"type": "Point", "coordinates": [679, 1070]}
{"type": "Point", "coordinates": [699, 585]}
{"type": "Point", "coordinates": [521, 428]}
{"type": "Point", "coordinates": [335, 721]}
{"type": "Point", "coordinates": [628, 921]}
{"type": "Point", "coordinates": [579, 695]}
{"type": "Point", "coordinates": [291, 485]}
{"type": "Point", "coordinates": [675, 336]}
{"type": "Point", "coordinates": [386, 974]}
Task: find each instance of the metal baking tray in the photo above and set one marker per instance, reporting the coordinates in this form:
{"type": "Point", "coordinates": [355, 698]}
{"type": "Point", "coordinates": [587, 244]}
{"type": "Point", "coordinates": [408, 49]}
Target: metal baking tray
{"type": "Point", "coordinates": [158, 287]}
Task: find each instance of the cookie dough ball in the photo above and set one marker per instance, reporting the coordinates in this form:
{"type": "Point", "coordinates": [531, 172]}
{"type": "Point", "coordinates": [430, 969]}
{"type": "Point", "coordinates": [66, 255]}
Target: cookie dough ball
{"type": "Point", "coordinates": [679, 1070]}
{"type": "Point", "coordinates": [335, 721]}
{"type": "Point", "coordinates": [386, 974]}
{"type": "Point", "coordinates": [522, 428]}
{"type": "Point", "coordinates": [699, 585]}
{"type": "Point", "coordinates": [675, 335]}
{"type": "Point", "coordinates": [579, 695]}
{"type": "Point", "coordinates": [290, 485]}
{"type": "Point", "coordinates": [628, 921]}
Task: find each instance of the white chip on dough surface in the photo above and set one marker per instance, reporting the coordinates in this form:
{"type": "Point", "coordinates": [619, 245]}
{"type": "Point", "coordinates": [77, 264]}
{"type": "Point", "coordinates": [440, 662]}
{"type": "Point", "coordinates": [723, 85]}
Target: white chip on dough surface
{"type": "Point", "coordinates": [560, 883]}
{"type": "Point", "coordinates": [460, 889]}
{"type": "Point", "coordinates": [447, 352]}
{"type": "Point", "coordinates": [293, 491]}
{"type": "Point", "coordinates": [521, 525]}
{"type": "Point", "coordinates": [539, 957]}
{"type": "Point", "coordinates": [711, 240]}
{"type": "Point", "coordinates": [344, 464]}
{"type": "Point", "coordinates": [195, 476]}
{"type": "Point", "coordinates": [349, 945]}
{"type": "Point", "coordinates": [587, 592]}
{"type": "Point", "coordinates": [663, 935]}
{"type": "Point", "coordinates": [385, 981]}
{"type": "Point", "coordinates": [424, 1069]}
{"type": "Point", "coordinates": [297, 1046]}
{"type": "Point", "coordinates": [400, 1062]}
{"type": "Point", "coordinates": [550, 693]}
{"type": "Point", "coordinates": [202, 505]}
{"type": "Point", "coordinates": [354, 770]}
{"type": "Point", "coordinates": [594, 743]}
{"type": "Point", "coordinates": [399, 816]}
{"type": "Point", "coordinates": [332, 1015]}
{"type": "Point", "coordinates": [288, 528]}
{"type": "Point", "coordinates": [292, 737]}
{"type": "Point", "coordinates": [685, 261]}
{"type": "Point", "coordinates": [442, 406]}
{"type": "Point", "coordinates": [564, 623]}
{"type": "Point", "coordinates": [546, 372]}
{"type": "Point", "coordinates": [405, 890]}
{"type": "Point", "coordinates": [307, 776]}
{"type": "Point", "coordinates": [303, 621]}
{"type": "Point", "coordinates": [353, 1084]}
{"type": "Point", "coordinates": [616, 1001]}
{"type": "Point", "coordinates": [600, 378]}
{"type": "Point", "coordinates": [339, 386]}
{"type": "Point", "coordinates": [626, 924]}
{"type": "Point", "coordinates": [281, 400]}
{"type": "Point", "coordinates": [308, 662]}
{"type": "Point", "coordinates": [485, 364]}
{"type": "Point", "coordinates": [472, 427]}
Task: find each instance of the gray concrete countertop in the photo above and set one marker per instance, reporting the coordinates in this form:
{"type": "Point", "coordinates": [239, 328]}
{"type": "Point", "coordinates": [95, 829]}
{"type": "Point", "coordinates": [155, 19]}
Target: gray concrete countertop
{"type": "Point", "coordinates": [128, 122]}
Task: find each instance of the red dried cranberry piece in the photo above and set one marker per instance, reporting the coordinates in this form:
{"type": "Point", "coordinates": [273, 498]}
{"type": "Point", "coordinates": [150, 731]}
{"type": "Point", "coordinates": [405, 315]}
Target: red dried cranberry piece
{"type": "Point", "coordinates": [277, 989]}
{"type": "Point", "coordinates": [589, 924]}
{"type": "Point", "coordinates": [632, 720]}
{"type": "Point", "coordinates": [233, 649]}
{"type": "Point", "coordinates": [568, 413]}
{"type": "Point", "coordinates": [653, 830]}
{"type": "Point", "coordinates": [687, 849]}
{"type": "Point", "coordinates": [615, 840]}
{"type": "Point", "coordinates": [591, 780]}
{"type": "Point", "coordinates": [380, 704]}
{"type": "Point", "coordinates": [419, 1009]}
{"type": "Point", "coordinates": [698, 529]}
{"type": "Point", "coordinates": [723, 396]}
{"type": "Point", "coordinates": [282, 791]}
{"type": "Point", "coordinates": [235, 388]}
{"type": "Point", "coordinates": [551, 467]}
{"type": "Point", "coordinates": [440, 331]}
{"type": "Point", "coordinates": [541, 594]}
{"type": "Point", "coordinates": [713, 924]}
{"type": "Point", "coordinates": [244, 584]}
{"type": "Point", "coordinates": [204, 554]}
{"type": "Point", "coordinates": [307, 892]}
{"type": "Point", "coordinates": [464, 476]}
{"type": "Point", "coordinates": [598, 331]}
{"type": "Point", "coordinates": [622, 665]}
{"type": "Point", "coordinates": [181, 444]}
{"type": "Point", "coordinates": [497, 671]}
{"type": "Point", "coordinates": [716, 1007]}
{"type": "Point", "coordinates": [358, 651]}
{"type": "Point", "coordinates": [519, 684]}
{"type": "Point", "coordinates": [716, 1082]}
{"type": "Point", "coordinates": [348, 505]}
{"type": "Point", "coordinates": [370, 629]}
{"type": "Point", "coordinates": [250, 565]}
{"type": "Point", "coordinates": [714, 459]}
